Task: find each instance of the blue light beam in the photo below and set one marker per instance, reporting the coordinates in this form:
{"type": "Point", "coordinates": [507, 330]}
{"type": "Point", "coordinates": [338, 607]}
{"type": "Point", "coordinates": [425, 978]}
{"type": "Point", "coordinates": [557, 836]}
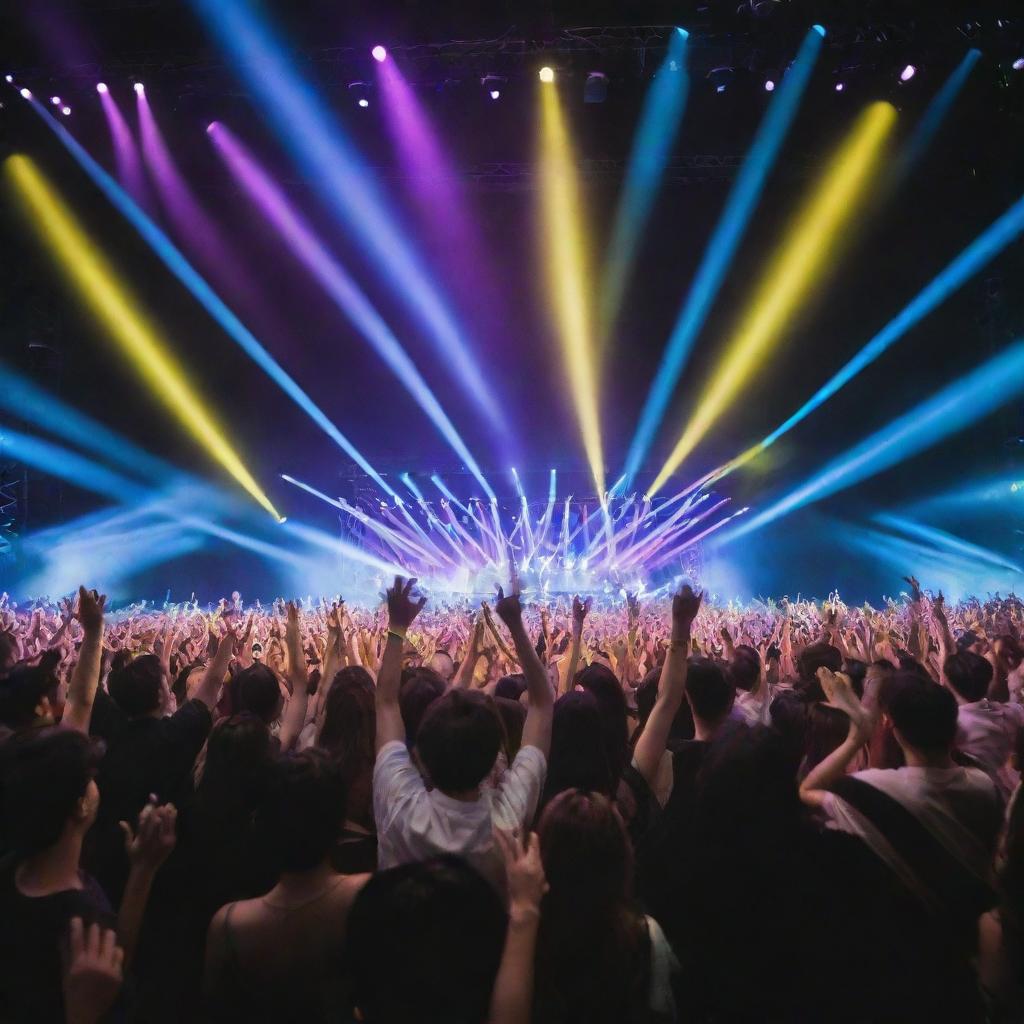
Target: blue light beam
{"type": "Point", "coordinates": [952, 409]}
{"type": "Point", "coordinates": [719, 253]}
{"type": "Point", "coordinates": [310, 133]}
{"type": "Point", "coordinates": [176, 263]}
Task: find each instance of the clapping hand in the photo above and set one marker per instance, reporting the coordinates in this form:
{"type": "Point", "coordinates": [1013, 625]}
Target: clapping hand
{"type": "Point", "coordinates": [151, 844]}
{"type": "Point", "coordinates": [524, 871]}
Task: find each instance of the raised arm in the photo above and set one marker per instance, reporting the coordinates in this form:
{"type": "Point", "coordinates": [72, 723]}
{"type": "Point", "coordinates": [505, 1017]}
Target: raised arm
{"type": "Point", "coordinates": [295, 714]}
{"type": "Point", "coordinates": [512, 995]}
{"type": "Point", "coordinates": [839, 691]}
{"type": "Point", "coordinates": [213, 678]}
{"type": "Point", "coordinates": [540, 699]}
{"type": "Point", "coordinates": [464, 677]}
{"type": "Point", "coordinates": [402, 610]}
{"type": "Point", "coordinates": [580, 610]}
{"type": "Point", "coordinates": [86, 675]}
{"type": "Point", "coordinates": [671, 687]}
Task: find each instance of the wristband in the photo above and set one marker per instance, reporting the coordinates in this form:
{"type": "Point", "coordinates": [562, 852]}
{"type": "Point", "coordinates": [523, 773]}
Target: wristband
{"type": "Point", "coordinates": [400, 634]}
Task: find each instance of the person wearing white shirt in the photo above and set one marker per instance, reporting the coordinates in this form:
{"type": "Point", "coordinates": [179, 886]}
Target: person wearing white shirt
{"type": "Point", "coordinates": [457, 745]}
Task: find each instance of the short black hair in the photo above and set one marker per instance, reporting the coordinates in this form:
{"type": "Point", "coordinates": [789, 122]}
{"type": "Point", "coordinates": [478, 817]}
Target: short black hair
{"type": "Point", "coordinates": [511, 686]}
{"type": "Point", "coordinates": [24, 688]}
{"type": "Point", "coordinates": [810, 659]}
{"type": "Point", "coordinates": [46, 773]}
{"type": "Point", "coordinates": [420, 688]}
{"type": "Point", "coordinates": [745, 668]}
{"type": "Point", "coordinates": [136, 686]}
{"type": "Point", "coordinates": [923, 713]}
{"type": "Point", "coordinates": [258, 692]}
{"type": "Point", "coordinates": [708, 689]}
{"type": "Point", "coordinates": [426, 941]}
{"type": "Point", "coordinates": [304, 809]}
{"type": "Point", "coordinates": [459, 739]}
{"type": "Point", "coordinates": [969, 674]}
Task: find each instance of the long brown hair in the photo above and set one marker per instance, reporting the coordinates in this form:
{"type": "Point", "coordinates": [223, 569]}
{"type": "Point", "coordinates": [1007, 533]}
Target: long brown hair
{"type": "Point", "coordinates": [593, 950]}
{"type": "Point", "coordinates": [349, 734]}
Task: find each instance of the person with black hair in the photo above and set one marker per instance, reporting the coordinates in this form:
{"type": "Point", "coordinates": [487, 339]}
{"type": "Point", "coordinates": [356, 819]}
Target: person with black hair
{"type": "Point", "coordinates": [50, 802]}
{"type": "Point", "coordinates": [932, 822]}
{"type": "Point", "coordinates": [426, 942]}
{"type": "Point", "coordinates": [281, 956]}
{"type": "Point", "coordinates": [148, 751]}
{"type": "Point", "coordinates": [599, 959]}
{"type": "Point", "coordinates": [987, 730]}
{"type": "Point", "coordinates": [457, 745]}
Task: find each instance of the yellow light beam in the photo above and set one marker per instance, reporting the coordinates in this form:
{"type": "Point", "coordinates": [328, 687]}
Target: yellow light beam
{"type": "Point", "coordinates": [120, 312]}
{"type": "Point", "coordinates": [808, 245]}
{"type": "Point", "coordinates": [566, 258]}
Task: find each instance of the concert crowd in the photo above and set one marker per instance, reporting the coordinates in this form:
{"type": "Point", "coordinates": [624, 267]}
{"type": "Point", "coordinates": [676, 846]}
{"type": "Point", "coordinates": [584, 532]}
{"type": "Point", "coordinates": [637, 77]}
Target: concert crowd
{"type": "Point", "coordinates": [575, 812]}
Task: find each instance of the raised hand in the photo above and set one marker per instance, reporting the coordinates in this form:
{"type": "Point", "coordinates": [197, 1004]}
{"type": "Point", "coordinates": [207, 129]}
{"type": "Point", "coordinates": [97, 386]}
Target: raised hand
{"type": "Point", "coordinates": [90, 609]}
{"type": "Point", "coordinates": [580, 611]}
{"type": "Point", "coordinates": [685, 605]}
{"type": "Point", "coordinates": [152, 842]}
{"type": "Point", "coordinates": [915, 588]}
{"type": "Point", "coordinates": [508, 606]}
{"type": "Point", "coordinates": [93, 973]}
{"type": "Point", "coordinates": [839, 693]}
{"type": "Point", "coordinates": [402, 609]}
{"type": "Point", "coordinates": [523, 869]}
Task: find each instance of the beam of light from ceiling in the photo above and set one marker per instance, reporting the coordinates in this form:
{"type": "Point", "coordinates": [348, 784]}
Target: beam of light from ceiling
{"type": "Point", "coordinates": [934, 115]}
{"type": "Point", "coordinates": [176, 263]}
{"type": "Point", "coordinates": [565, 253]}
{"type": "Point", "coordinates": [25, 400]}
{"type": "Point", "coordinates": [655, 135]}
{"type": "Point", "coordinates": [118, 310]}
{"type": "Point", "coordinates": [806, 253]}
{"type": "Point", "coordinates": [947, 412]}
{"type": "Point", "coordinates": [718, 255]}
{"type": "Point", "coordinates": [336, 282]}
{"type": "Point", "coordinates": [957, 576]}
{"type": "Point", "coordinates": [435, 188]}
{"type": "Point", "coordinates": [127, 161]}
{"type": "Point", "coordinates": [944, 539]}
{"type": "Point", "coordinates": [310, 132]}
{"type": "Point", "coordinates": [199, 232]}
{"type": "Point", "coordinates": [1006, 229]}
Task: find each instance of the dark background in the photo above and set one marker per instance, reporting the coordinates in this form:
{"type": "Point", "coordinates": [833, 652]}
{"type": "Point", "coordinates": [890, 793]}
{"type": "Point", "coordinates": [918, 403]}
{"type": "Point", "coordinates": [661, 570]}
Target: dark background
{"type": "Point", "coordinates": [973, 171]}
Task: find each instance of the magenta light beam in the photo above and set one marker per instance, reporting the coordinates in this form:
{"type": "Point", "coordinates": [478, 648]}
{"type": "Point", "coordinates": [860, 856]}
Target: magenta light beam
{"type": "Point", "coordinates": [191, 222]}
{"type": "Point", "coordinates": [344, 292]}
{"type": "Point", "coordinates": [435, 187]}
{"type": "Point", "coordinates": [127, 161]}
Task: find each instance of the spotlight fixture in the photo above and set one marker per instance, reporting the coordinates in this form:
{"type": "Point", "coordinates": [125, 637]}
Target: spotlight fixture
{"type": "Point", "coordinates": [595, 90]}
{"type": "Point", "coordinates": [101, 87]}
{"type": "Point", "coordinates": [139, 88]}
{"type": "Point", "coordinates": [1018, 65]}
{"type": "Point", "coordinates": [8, 78]}
{"type": "Point", "coordinates": [840, 86]}
{"type": "Point", "coordinates": [546, 74]}
{"type": "Point", "coordinates": [493, 84]}
{"type": "Point", "coordinates": [66, 111]}
{"type": "Point", "coordinates": [379, 54]}
{"type": "Point", "coordinates": [721, 78]}
{"type": "Point", "coordinates": [908, 73]}
{"type": "Point", "coordinates": [769, 85]}
{"type": "Point", "coordinates": [360, 91]}
{"type": "Point", "coordinates": [26, 94]}
{"type": "Point", "coordinates": [55, 100]}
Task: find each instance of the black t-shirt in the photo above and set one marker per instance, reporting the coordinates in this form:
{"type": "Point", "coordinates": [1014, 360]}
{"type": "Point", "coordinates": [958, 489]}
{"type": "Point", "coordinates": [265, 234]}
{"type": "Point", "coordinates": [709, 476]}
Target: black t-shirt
{"type": "Point", "coordinates": [144, 755]}
{"type": "Point", "coordinates": [33, 933]}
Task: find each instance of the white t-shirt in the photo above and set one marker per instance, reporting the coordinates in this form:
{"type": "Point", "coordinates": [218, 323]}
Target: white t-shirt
{"type": "Point", "coordinates": [942, 800]}
{"type": "Point", "coordinates": [987, 730]}
{"type": "Point", "coordinates": [414, 823]}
